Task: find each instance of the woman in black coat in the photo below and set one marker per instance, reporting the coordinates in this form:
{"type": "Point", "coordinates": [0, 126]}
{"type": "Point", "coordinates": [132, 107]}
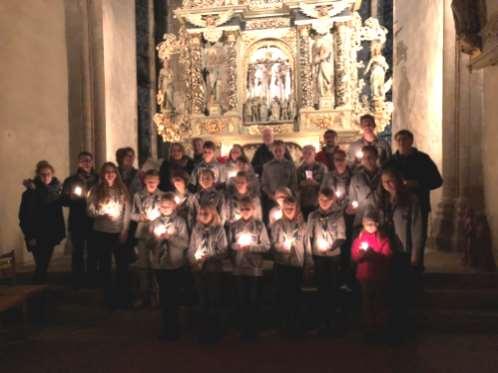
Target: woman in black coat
{"type": "Point", "coordinates": [41, 219]}
{"type": "Point", "coordinates": [178, 161]}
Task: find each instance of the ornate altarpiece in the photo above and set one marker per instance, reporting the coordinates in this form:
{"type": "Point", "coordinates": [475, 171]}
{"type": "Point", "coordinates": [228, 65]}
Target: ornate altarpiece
{"type": "Point", "coordinates": [237, 66]}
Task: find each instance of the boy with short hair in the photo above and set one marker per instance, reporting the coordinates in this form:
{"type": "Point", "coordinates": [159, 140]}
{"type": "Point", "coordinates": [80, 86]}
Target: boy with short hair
{"type": "Point", "coordinates": [309, 177]}
{"type": "Point", "coordinates": [209, 162]}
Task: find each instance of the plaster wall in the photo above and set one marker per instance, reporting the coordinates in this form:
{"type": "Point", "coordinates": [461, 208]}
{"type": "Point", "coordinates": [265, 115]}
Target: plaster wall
{"type": "Point", "coordinates": [33, 103]}
{"type": "Point", "coordinates": [418, 75]}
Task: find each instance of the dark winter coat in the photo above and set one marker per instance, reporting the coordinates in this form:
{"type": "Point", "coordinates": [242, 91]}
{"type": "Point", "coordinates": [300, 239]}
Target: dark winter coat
{"type": "Point", "coordinates": [40, 213]}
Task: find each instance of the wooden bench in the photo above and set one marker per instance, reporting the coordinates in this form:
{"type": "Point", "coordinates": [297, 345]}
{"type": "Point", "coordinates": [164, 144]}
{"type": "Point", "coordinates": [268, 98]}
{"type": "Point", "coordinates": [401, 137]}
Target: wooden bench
{"type": "Point", "coordinates": [14, 296]}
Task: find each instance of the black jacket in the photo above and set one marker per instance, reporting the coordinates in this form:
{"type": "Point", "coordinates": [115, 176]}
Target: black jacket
{"type": "Point", "coordinates": [420, 167]}
{"type": "Point", "coordinates": [168, 167]}
{"type": "Point", "coordinates": [262, 155]}
{"type": "Point", "coordinates": [40, 213]}
{"type": "Point", "coordinates": [79, 222]}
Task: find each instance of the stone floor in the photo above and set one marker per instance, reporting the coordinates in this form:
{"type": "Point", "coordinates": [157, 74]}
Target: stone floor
{"type": "Point", "coordinates": [125, 341]}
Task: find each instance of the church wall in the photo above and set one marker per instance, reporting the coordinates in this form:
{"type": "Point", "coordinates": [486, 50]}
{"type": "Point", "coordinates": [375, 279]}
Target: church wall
{"type": "Point", "coordinates": [418, 75]}
{"type": "Point", "coordinates": [120, 71]}
{"type": "Point", "coordinates": [34, 103]}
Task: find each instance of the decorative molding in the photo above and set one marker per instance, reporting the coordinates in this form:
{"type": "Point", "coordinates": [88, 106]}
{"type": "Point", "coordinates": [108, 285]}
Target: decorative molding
{"type": "Point", "coordinates": [265, 23]}
{"type": "Point", "coordinates": [489, 56]}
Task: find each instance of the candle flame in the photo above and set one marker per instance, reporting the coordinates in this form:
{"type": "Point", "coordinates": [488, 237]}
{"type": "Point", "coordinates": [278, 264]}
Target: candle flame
{"type": "Point", "coordinates": [245, 239]}
{"type": "Point", "coordinates": [359, 154]}
{"type": "Point", "coordinates": [322, 244]}
{"type": "Point", "coordinates": [338, 194]}
{"type": "Point", "coordinates": [364, 246]}
{"type": "Point", "coordinates": [112, 209]}
{"type": "Point", "coordinates": [232, 173]}
{"type": "Point", "coordinates": [277, 215]}
{"type": "Point", "coordinates": [355, 204]}
{"type": "Point", "coordinates": [152, 214]}
{"type": "Point", "coordinates": [200, 253]}
{"type": "Point", "coordinates": [177, 200]}
{"type": "Point", "coordinates": [159, 230]}
{"type": "Point", "coordinates": [78, 191]}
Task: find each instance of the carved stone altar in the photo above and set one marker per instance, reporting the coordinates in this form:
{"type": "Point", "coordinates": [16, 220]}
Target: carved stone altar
{"type": "Point", "coordinates": [241, 65]}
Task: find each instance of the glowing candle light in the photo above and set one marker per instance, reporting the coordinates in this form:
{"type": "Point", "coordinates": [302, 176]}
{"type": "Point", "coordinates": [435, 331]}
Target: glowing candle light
{"type": "Point", "coordinates": [200, 253]}
{"type": "Point", "coordinates": [159, 230]}
{"type": "Point", "coordinates": [178, 200]}
{"type": "Point", "coordinates": [355, 204]}
{"type": "Point", "coordinates": [359, 154]}
{"type": "Point", "coordinates": [309, 174]}
{"type": "Point", "coordinates": [112, 208]}
{"type": "Point", "coordinates": [364, 246]}
{"type": "Point", "coordinates": [245, 239]}
{"type": "Point", "coordinates": [277, 214]}
{"type": "Point", "coordinates": [232, 173]}
{"type": "Point", "coordinates": [152, 214]}
{"type": "Point", "coordinates": [338, 193]}
{"type": "Point", "coordinates": [78, 191]}
{"type": "Point", "coordinates": [288, 242]}
{"type": "Point", "coordinates": [322, 244]}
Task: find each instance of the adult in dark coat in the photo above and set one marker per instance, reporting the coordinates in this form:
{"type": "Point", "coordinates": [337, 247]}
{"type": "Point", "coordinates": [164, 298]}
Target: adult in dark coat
{"type": "Point", "coordinates": [74, 192]}
{"type": "Point", "coordinates": [178, 161]}
{"type": "Point", "coordinates": [264, 153]}
{"type": "Point", "coordinates": [41, 219]}
{"type": "Point", "coordinates": [419, 173]}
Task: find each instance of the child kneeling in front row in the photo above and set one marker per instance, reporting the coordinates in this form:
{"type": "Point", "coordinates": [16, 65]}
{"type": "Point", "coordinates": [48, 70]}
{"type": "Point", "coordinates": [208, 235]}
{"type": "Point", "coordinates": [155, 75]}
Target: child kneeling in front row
{"type": "Point", "coordinates": [248, 240]}
{"type": "Point", "coordinates": [208, 246]}
{"type": "Point", "coordinates": [372, 252]}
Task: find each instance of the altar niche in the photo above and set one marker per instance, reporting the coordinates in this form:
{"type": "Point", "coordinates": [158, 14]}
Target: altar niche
{"type": "Point", "coordinates": [234, 67]}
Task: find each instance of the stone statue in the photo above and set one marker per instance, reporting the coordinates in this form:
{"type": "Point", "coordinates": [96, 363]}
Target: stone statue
{"type": "Point", "coordinates": [254, 109]}
{"type": "Point", "coordinates": [263, 111]}
{"type": "Point", "coordinates": [275, 109]}
{"type": "Point", "coordinates": [251, 79]}
{"type": "Point", "coordinates": [291, 109]}
{"type": "Point", "coordinates": [212, 64]}
{"type": "Point", "coordinates": [377, 66]}
{"type": "Point", "coordinates": [165, 87]}
{"type": "Point", "coordinates": [247, 111]}
{"type": "Point", "coordinates": [323, 64]}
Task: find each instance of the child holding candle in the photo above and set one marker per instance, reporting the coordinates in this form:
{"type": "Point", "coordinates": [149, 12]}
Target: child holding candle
{"type": "Point", "coordinates": [309, 178]}
{"type": "Point", "coordinates": [230, 168]}
{"type": "Point", "coordinates": [145, 210]}
{"type": "Point", "coordinates": [108, 204]}
{"type": "Point", "coordinates": [41, 219]}
{"type": "Point", "coordinates": [231, 208]}
{"type": "Point", "coordinates": [168, 261]}
{"type": "Point", "coordinates": [208, 246]}
{"type": "Point", "coordinates": [276, 212]}
{"type": "Point", "coordinates": [365, 188]}
{"type": "Point", "coordinates": [288, 238]}
{"type": "Point", "coordinates": [74, 193]}
{"type": "Point", "coordinates": [183, 197]}
{"type": "Point", "coordinates": [208, 192]}
{"type": "Point", "coordinates": [372, 252]}
{"type": "Point", "coordinates": [326, 234]}
{"type": "Point", "coordinates": [209, 162]}
{"type": "Point", "coordinates": [243, 165]}
{"type": "Point", "coordinates": [248, 240]}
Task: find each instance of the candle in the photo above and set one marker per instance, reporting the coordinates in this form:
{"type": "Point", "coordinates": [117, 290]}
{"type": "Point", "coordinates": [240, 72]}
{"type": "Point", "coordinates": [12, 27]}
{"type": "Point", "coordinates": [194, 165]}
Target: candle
{"type": "Point", "coordinates": [309, 174]}
{"type": "Point", "coordinates": [236, 216]}
{"type": "Point", "coordinates": [359, 154]}
{"type": "Point", "coordinates": [322, 244]}
{"type": "Point", "coordinates": [288, 242]}
{"type": "Point", "coordinates": [200, 253]}
{"type": "Point", "coordinates": [152, 214]}
{"type": "Point", "coordinates": [112, 208]}
{"type": "Point", "coordinates": [364, 246]}
{"type": "Point", "coordinates": [159, 230]}
{"type": "Point", "coordinates": [277, 215]}
{"type": "Point", "coordinates": [355, 204]}
{"type": "Point", "coordinates": [232, 173]}
{"type": "Point", "coordinates": [177, 200]}
{"type": "Point", "coordinates": [245, 239]}
{"type": "Point", "coordinates": [338, 193]}
{"type": "Point", "coordinates": [78, 191]}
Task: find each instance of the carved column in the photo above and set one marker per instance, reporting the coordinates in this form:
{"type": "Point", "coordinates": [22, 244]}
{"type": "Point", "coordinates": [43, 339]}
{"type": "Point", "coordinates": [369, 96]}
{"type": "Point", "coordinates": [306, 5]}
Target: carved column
{"type": "Point", "coordinates": [342, 64]}
{"type": "Point", "coordinates": [198, 100]}
{"type": "Point", "coordinates": [305, 73]}
{"type": "Point", "coordinates": [232, 70]}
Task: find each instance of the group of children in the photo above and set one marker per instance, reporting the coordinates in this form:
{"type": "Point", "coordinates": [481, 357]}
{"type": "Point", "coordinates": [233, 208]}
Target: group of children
{"type": "Point", "coordinates": [206, 218]}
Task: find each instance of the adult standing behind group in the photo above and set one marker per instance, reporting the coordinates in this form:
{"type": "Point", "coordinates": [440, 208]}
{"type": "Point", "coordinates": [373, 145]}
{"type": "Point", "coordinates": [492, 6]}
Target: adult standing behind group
{"type": "Point", "coordinates": [419, 174]}
{"type": "Point", "coordinates": [264, 152]}
{"type": "Point", "coordinates": [178, 161]}
{"type": "Point", "coordinates": [368, 137]}
{"type": "Point", "coordinates": [326, 155]}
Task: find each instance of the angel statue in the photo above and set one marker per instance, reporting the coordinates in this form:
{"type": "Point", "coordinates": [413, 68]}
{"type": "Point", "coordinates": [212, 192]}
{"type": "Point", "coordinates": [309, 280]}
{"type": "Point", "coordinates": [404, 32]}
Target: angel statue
{"type": "Point", "coordinates": [323, 64]}
{"type": "Point", "coordinates": [377, 66]}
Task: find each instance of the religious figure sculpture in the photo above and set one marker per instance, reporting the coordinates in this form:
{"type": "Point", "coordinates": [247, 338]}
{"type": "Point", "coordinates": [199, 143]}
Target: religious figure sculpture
{"type": "Point", "coordinates": [165, 87]}
{"type": "Point", "coordinates": [275, 109]}
{"type": "Point", "coordinates": [323, 64]}
{"type": "Point", "coordinates": [263, 111]}
{"type": "Point", "coordinates": [212, 64]}
{"type": "Point", "coordinates": [377, 66]}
